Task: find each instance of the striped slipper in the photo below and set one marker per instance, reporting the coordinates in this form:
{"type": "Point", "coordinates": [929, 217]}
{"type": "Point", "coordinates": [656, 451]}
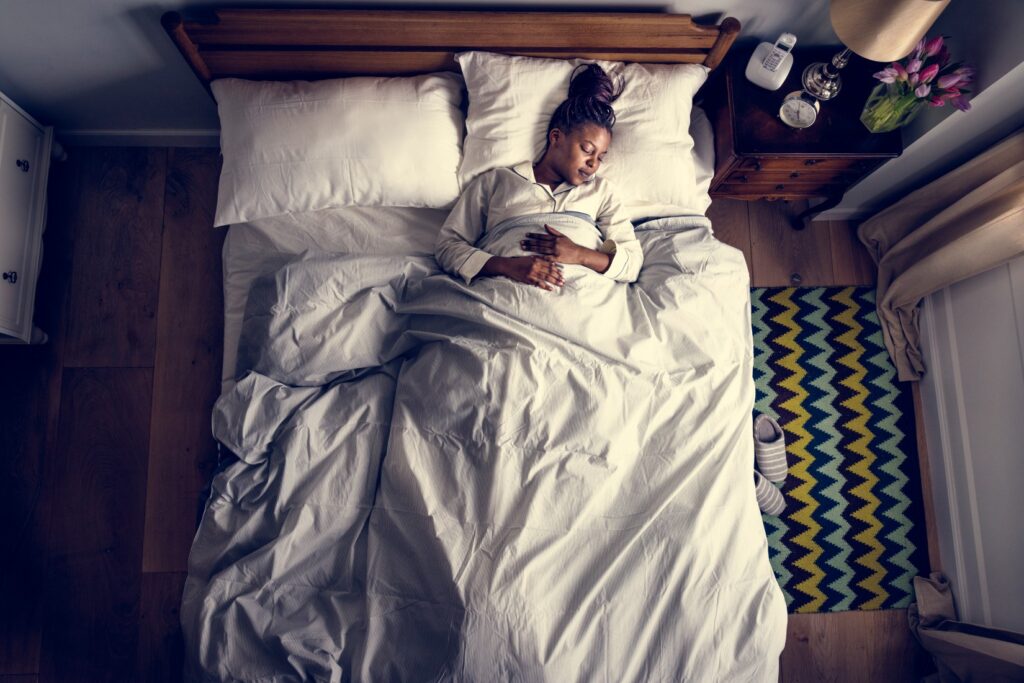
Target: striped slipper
{"type": "Point", "coordinates": [769, 498]}
{"type": "Point", "coordinates": [770, 449]}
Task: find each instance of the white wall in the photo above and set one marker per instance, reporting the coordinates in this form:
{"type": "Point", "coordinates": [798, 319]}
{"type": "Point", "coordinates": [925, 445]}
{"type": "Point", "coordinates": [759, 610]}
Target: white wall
{"type": "Point", "coordinates": [107, 64]}
{"type": "Point", "coordinates": [973, 402]}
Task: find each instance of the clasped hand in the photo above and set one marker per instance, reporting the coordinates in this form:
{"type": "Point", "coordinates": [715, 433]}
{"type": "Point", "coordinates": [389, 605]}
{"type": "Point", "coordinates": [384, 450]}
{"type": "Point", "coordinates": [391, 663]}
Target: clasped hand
{"type": "Point", "coordinates": [544, 268]}
{"type": "Point", "coordinates": [554, 244]}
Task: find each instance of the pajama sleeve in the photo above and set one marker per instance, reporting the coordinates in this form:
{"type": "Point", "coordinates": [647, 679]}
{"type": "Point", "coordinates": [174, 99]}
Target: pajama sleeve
{"type": "Point", "coordinates": [454, 248]}
{"type": "Point", "coordinates": [619, 241]}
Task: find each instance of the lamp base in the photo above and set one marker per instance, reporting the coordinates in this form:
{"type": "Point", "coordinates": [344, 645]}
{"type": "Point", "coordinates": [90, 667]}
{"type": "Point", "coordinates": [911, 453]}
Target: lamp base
{"type": "Point", "coordinates": [822, 80]}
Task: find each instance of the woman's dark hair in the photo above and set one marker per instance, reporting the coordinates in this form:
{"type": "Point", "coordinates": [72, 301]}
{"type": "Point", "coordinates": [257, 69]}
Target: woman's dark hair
{"type": "Point", "coordinates": [591, 93]}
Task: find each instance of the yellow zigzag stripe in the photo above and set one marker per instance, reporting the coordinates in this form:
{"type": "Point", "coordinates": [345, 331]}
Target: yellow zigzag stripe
{"type": "Point", "coordinates": [860, 446]}
{"type": "Point", "coordinates": [802, 492]}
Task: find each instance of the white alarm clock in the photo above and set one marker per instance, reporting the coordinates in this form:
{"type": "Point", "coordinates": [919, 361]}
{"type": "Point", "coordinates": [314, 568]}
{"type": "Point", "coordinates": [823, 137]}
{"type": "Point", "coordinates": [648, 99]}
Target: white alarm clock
{"type": "Point", "coordinates": [799, 109]}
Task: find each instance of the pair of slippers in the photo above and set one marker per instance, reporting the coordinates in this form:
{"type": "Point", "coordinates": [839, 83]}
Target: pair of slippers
{"type": "Point", "coordinates": [770, 456]}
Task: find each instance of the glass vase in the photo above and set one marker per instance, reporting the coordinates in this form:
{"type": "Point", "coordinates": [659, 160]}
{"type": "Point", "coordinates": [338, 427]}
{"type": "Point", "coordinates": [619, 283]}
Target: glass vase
{"type": "Point", "coordinates": [888, 108]}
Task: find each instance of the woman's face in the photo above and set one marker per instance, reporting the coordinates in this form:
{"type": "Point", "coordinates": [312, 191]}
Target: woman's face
{"type": "Point", "coordinates": [576, 156]}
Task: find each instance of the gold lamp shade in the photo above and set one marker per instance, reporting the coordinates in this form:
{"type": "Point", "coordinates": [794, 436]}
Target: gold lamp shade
{"type": "Point", "coordinates": [884, 30]}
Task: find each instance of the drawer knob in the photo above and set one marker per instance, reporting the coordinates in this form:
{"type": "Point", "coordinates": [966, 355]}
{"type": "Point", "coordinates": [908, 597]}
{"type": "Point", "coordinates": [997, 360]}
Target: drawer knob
{"type": "Point", "coordinates": [810, 162]}
{"type": "Point", "coordinates": [11, 276]}
{"type": "Point", "coordinates": [22, 164]}
{"type": "Point", "coordinates": [744, 178]}
{"type": "Point", "coordinates": [794, 174]}
{"type": "Point", "coordinates": [780, 187]}
{"type": "Point", "coordinates": [757, 165]}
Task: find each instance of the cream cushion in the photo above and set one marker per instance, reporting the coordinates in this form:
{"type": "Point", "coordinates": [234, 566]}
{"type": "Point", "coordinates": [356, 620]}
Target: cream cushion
{"type": "Point", "coordinates": [299, 146]}
{"type": "Point", "coordinates": [650, 162]}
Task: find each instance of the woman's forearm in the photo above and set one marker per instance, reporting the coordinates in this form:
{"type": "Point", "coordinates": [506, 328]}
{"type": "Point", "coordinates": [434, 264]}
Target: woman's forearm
{"type": "Point", "coordinates": [494, 266]}
{"type": "Point", "coordinates": [597, 261]}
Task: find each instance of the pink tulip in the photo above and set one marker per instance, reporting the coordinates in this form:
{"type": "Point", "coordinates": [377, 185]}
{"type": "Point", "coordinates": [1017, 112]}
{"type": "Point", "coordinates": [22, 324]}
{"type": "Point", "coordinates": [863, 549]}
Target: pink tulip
{"type": "Point", "coordinates": [923, 90]}
{"type": "Point", "coordinates": [901, 73]}
{"type": "Point", "coordinates": [886, 75]}
{"type": "Point", "coordinates": [949, 81]}
{"type": "Point", "coordinates": [932, 47]}
{"type": "Point", "coordinates": [961, 103]}
{"type": "Point", "coordinates": [929, 72]}
{"type": "Point", "coordinates": [913, 66]}
{"type": "Point", "coordinates": [936, 101]}
{"type": "Point", "coordinates": [943, 57]}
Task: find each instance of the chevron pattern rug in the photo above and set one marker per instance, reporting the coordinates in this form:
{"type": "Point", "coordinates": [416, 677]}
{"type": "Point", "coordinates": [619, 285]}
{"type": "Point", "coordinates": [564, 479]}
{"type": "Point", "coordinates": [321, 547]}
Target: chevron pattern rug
{"type": "Point", "coordinates": [852, 535]}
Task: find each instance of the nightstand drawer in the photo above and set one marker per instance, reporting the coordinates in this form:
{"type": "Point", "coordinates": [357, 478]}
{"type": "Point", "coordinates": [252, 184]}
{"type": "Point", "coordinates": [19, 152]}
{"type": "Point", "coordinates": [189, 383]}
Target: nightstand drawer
{"type": "Point", "coordinates": [805, 164]}
{"type": "Point", "coordinates": [786, 190]}
{"type": "Point", "coordinates": [801, 176]}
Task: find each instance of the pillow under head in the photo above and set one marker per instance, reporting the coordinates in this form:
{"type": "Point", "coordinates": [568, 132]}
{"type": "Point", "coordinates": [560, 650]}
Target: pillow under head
{"type": "Point", "coordinates": [650, 162]}
{"type": "Point", "coordinates": [300, 146]}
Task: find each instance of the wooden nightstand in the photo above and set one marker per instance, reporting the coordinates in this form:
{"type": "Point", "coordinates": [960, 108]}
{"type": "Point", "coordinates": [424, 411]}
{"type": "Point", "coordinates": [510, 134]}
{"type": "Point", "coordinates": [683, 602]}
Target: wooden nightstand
{"type": "Point", "coordinates": [760, 157]}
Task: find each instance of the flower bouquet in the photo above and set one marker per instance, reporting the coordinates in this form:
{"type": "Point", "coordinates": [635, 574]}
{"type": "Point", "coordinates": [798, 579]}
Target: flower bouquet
{"type": "Point", "coordinates": [926, 78]}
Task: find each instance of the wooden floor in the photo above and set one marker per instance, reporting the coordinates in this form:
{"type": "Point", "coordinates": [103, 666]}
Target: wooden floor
{"type": "Point", "coordinates": [105, 437]}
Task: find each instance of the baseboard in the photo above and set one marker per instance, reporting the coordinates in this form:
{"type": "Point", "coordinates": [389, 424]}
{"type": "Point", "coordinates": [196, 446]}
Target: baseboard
{"type": "Point", "coordinates": [144, 137]}
{"type": "Point", "coordinates": [852, 214]}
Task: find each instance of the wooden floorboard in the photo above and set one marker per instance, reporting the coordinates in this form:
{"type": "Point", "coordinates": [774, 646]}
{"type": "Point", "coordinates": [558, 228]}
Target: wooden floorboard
{"type": "Point", "coordinates": [850, 647]}
{"type": "Point", "coordinates": [29, 412]}
{"type": "Point", "coordinates": [161, 648]}
{"type": "Point", "coordinates": [23, 423]}
{"type": "Point", "coordinates": [116, 270]}
{"type": "Point", "coordinates": [851, 263]}
{"type": "Point", "coordinates": [784, 257]}
{"type": "Point", "coordinates": [189, 346]}
{"type": "Point", "coordinates": [98, 479]}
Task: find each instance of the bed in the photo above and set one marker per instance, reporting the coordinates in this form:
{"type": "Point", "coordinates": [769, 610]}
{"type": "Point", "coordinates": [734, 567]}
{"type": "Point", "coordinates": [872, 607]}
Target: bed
{"type": "Point", "coordinates": [430, 480]}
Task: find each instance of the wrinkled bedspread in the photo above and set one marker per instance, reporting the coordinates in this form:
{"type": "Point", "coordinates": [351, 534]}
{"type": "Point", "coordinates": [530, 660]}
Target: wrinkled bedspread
{"type": "Point", "coordinates": [490, 482]}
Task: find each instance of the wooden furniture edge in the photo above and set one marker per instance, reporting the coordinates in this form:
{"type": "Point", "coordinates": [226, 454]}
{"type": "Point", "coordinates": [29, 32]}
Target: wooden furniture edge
{"type": "Point", "coordinates": [175, 28]}
{"type": "Point", "coordinates": [686, 44]}
{"type": "Point", "coordinates": [727, 32]}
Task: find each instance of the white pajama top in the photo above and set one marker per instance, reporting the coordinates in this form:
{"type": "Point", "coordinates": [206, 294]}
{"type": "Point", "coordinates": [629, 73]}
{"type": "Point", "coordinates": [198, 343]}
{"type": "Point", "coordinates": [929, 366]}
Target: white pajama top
{"type": "Point", "coordinates": [505, 193]}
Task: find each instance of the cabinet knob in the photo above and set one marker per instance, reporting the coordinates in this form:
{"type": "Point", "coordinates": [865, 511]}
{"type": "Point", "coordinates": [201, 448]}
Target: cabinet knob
{"type": "Point", "coordinates": [794, 174]}
{"type": "Point", "coordinates": [22, 164]}
{"type": "Point", "coordinates": [11, 276]}
{"type": "Point", "coordinates": [744, 179]}
{"type": "Point", "coordinates": [810, 162]}
{"type": "Point", "coordinates": [757, 165]}
{"type": "Point", "coordinates": [780, 187]}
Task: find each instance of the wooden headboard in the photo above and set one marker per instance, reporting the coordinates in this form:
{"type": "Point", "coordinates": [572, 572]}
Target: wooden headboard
{"type": "Point", "coordinates": [289, 44]}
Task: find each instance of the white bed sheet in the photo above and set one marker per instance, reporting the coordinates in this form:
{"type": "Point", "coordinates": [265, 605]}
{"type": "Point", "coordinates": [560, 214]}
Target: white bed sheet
{"type": "Point", "coordinates": [260, 247]}
{"type": "Point", "coordinates": [487, 483]}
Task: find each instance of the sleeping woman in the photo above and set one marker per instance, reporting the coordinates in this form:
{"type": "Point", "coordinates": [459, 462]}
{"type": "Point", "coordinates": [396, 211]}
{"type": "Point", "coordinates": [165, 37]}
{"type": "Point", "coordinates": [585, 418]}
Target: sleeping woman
{"type": "Point", "coordinates": [480, 236]}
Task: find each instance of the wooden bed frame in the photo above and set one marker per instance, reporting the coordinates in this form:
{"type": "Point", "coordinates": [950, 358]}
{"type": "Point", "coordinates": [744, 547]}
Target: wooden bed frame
{"type": "Point", "coordinates": [291, 44]}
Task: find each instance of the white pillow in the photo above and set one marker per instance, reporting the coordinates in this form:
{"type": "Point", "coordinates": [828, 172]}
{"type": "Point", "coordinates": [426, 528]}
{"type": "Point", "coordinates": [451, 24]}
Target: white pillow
{"type": "Point", "coordinates": [650, 162]}
{"type": "Point", "coordinates": [306, 145]}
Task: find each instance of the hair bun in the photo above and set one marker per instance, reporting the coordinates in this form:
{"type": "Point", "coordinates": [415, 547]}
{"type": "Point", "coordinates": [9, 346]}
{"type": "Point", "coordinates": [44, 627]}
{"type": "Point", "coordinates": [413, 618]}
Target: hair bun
{"type": "Point", "coordinates": [592, 82]}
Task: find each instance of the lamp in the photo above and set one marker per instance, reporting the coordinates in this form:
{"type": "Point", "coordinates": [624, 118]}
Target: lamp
{"type": "Point", "coordinates": [879, 30]}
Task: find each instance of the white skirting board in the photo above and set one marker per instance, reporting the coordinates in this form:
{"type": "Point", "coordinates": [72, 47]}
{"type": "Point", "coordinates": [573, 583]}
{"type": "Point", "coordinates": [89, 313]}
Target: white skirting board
{"type": "Point", "coordinates": [972, 396]}
{"type": "Point", "coordinates": [146, 137]}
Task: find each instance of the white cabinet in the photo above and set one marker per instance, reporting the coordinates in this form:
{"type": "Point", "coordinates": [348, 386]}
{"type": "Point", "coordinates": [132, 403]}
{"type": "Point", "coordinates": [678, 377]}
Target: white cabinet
{"type": "Point", "coordinates": [24, 164]}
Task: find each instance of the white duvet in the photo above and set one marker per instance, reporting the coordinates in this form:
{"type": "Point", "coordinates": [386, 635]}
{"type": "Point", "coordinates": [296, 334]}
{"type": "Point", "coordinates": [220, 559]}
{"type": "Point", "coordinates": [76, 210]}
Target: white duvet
{"type": "Point", "coordinates": [441, 482]}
